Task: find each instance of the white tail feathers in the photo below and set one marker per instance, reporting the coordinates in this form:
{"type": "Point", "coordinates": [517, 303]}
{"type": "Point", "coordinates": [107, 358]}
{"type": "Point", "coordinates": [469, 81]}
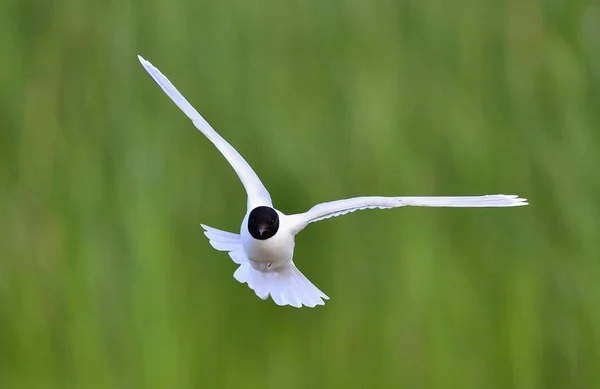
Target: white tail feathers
{"type": "Point", "coordinates": [287, 286]}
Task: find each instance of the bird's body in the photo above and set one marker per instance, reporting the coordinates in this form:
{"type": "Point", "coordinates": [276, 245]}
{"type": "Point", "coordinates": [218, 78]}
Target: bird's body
{"type": "Point", "coordinates": [269, 254]}
{"type": "Point", "coordinates": [264, 248]}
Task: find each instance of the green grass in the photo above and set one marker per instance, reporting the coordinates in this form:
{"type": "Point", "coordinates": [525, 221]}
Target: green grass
{"type": "Point", "coordinates": [106, 280]}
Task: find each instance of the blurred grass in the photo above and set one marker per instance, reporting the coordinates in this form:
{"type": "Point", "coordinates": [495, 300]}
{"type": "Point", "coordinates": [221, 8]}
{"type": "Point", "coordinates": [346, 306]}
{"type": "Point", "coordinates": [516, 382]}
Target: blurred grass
{"type": "Point", "coordinates": [107, 281]}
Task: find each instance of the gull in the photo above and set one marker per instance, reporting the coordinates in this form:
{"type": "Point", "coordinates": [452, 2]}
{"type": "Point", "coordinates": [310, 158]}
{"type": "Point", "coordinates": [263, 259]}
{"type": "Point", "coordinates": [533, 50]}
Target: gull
{"type": "Point", "coordinates": [264, 248]}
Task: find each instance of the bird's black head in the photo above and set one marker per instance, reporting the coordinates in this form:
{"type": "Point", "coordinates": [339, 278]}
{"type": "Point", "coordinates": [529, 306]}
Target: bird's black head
{"type": "Point", "coordinates": [263, 223]}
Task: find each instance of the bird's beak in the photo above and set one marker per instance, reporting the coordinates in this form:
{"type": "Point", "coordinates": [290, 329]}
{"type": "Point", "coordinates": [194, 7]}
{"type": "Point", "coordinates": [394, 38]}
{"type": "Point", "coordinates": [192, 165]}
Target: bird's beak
{"type": "Point", "coordinates": [261, 229]}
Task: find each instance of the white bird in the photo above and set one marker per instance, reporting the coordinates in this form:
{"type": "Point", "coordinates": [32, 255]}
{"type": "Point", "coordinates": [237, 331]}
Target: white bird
{"type": "Point", "coordinates": [264, 248]}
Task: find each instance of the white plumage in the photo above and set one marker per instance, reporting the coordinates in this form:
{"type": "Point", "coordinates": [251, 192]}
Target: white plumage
{"type": "Point", "coordinates": [286, 286]}
{"type": "Point", "coordinates": [264, 248]}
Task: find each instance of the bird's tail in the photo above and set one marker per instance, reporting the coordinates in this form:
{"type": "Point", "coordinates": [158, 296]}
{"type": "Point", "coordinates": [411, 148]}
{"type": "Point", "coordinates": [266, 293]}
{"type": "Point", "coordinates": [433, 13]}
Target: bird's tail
{"type": "Point", "coordinates": [286, 286]}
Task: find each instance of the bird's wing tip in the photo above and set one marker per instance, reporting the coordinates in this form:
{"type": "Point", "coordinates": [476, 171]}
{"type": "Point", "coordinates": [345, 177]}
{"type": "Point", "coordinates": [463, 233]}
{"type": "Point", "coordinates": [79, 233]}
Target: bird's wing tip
{"type": "Point", "coordinates": [521, 200]}
{"type": "Point", "coordinates": [143, 61]}
{"type": "Point", "coordinates": [516, 200]}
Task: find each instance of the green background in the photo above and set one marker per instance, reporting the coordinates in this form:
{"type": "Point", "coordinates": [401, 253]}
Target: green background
{"type": "Point", "coordinates": [106, 280]}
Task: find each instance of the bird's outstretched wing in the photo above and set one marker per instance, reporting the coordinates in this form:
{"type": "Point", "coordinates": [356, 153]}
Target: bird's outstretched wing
{"type": "Point", "coordinates": [342, 207]}
{"type": "Point", "coordinates": [257, 193]}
